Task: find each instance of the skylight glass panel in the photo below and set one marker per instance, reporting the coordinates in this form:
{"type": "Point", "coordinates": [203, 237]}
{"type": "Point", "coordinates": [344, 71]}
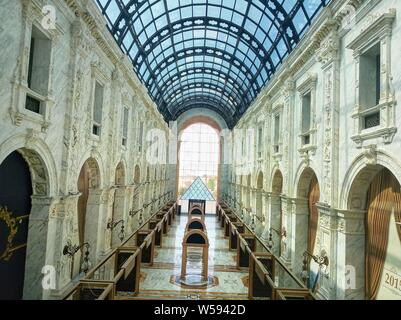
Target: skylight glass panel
{"type": "Point", "coordinates": [231, 37]}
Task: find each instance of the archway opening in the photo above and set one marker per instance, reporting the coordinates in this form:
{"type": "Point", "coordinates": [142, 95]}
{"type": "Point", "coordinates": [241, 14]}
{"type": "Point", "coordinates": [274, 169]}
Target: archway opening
{"type": "Point", "coordinates": [118, 205]}
{"type": "Point", "coordinates": [248, 192]}
{"type": "Point", "coordinates": [15, 207]}
{"type": "Point", "coordinates": [259, 195]}
{"type": "Point", "coordinates": [83, 188]}
{"type": "Point", "coordinates": [377, 191]}
{"type": "Point", "coordinates": [87, 208]}
{"type": "Point", "coordinates": [308, 193]}
{"type": "Point", "coordinates": [199, 156]}
{"type": "Point", "coordinates": [277, 222]}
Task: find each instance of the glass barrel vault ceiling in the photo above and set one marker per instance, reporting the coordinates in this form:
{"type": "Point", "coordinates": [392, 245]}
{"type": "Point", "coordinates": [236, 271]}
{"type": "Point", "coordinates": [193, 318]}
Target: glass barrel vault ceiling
{"type": "Point", "coordinates": [215, 54]}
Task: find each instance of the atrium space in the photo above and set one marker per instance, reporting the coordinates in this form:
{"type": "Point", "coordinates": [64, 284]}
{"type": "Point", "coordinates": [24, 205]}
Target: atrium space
{"type": "Point", "coordinates": [200, 150]}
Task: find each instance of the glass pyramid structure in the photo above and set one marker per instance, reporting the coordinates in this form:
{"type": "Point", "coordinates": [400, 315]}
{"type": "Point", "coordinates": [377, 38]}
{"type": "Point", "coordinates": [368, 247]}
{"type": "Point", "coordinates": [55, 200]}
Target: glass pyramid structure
{"type": "Point", "coordinates": [198, 191]}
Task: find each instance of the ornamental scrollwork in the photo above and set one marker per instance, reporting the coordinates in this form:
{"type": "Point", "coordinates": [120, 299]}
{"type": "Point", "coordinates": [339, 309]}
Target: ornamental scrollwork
{"type": "Point", "coordinates": [12, 225]}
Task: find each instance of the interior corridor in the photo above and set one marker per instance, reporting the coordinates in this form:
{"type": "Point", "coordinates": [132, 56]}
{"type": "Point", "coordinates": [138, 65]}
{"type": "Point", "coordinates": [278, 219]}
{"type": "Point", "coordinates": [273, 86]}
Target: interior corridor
{"type": "Point", "coordinates": [274, 125]}
{"type": "Point", "coordinates": [161, 280]}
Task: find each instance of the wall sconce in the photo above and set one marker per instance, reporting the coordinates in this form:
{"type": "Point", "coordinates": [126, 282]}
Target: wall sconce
{"type": "Point", "coordinates": [281, 234]}
{"type": "Point", "coordinates": [71, 250]}
{"type": "Point", "coordinates": [112, 224]}
{"type": "Point", "coordinates": [322, 261]}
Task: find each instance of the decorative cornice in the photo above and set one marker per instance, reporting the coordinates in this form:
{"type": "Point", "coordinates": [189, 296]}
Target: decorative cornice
{"type": "Point", "coordinates": [377, 26]}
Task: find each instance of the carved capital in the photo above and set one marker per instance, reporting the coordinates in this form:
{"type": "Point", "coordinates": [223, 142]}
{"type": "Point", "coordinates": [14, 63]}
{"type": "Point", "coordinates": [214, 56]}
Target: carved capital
{"type": "Point", "coordinates": [328, 50]}
{"type": "Point", "coordinates": [288, 87]}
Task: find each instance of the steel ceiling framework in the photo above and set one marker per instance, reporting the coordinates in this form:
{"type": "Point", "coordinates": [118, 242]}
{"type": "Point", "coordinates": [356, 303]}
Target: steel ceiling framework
{"type": "Point", "coordinates": [215, 54]}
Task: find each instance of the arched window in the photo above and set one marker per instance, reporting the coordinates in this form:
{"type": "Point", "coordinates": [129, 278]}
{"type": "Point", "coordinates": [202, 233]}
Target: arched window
{"type": "Point", "coordinates": [199, 156]}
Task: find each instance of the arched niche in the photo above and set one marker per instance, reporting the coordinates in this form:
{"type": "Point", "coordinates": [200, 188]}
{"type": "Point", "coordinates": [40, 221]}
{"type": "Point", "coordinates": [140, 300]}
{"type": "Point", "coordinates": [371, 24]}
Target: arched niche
{"type": "Point", "coordinates": [120, 174]}
{"type": "Point", "coordinates": [306, 218]}
{"type": "Point", "coordinates": [118, 204]}
{"type": "Point", "coordinates": [88, 207]}
{"type": "Point", "coordinates": [277, 220]}
{"type": "Point", "coordinates": [147, 187]}
{"type": "Point", "coordinates": [277, 182]}
{"type": "Point", "coordinates": [259, 194]}
{"type": "Point", "coordinates": [247, 191]}
{"type": "Point", "coordinates": [137, 174]}
{"type": "Point", "coordinates": [376, 193]}
{"type": "Point", "coordinates": [135, 202]}
{"type": "Point", "coordinates": [24, 212]}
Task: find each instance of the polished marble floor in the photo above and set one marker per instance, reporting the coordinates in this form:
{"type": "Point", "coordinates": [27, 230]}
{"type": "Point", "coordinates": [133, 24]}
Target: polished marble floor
{"type": "Point", "coordinates": [157, 281]}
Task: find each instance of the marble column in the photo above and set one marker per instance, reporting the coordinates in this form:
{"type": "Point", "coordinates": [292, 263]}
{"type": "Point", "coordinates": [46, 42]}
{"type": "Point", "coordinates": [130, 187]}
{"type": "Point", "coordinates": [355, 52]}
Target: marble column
{"type": "Point", "coordinates": [63, 227]}
{"type": "Point", "coordinates": [286, 211]}
{"type": "Point", "coordinates": [326, 239]}
{"type": "Point", "coordinates": [275, 222]}
{"type": "Point", "coordinates": [37, 247]}
{"type": "Point", "coordinates": [130, 222]}
{"type": "Point", "coordinates": [99, 203]}
{"type": "Point", "coordinates": [328, 56]}
{"type": "Point", "coordinates": [350, 284]}
{"type": "Point", "coordinates": [297, 233]}
{"type": "Point", "coordinates": [120, 210]}
{"type": "Point", "coordinates": [259, 211]}
{"type": "Point", "coordinates": [266, 212]}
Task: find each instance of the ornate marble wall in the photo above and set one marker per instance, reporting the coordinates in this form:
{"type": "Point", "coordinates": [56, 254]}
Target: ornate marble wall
{"type": "Point", "coordinates": [326, 64]}
{"type": "Point", "coordinates": [57, 141]}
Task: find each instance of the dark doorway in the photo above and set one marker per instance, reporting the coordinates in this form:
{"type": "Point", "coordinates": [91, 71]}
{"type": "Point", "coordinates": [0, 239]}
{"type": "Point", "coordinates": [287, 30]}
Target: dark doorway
{"type": "Point", "coordinates": [15, 203]}
{"type": "Point", "coordinates": [83, 188]}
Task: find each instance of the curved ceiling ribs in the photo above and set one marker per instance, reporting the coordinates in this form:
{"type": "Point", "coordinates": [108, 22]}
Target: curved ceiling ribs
{"type": "Point", "coordinates": [215, 54]}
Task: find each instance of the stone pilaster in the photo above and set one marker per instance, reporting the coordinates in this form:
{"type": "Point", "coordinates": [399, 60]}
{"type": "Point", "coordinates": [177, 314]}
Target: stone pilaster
{"type": "Point", "coordinates": [39, 248]}
{"type": "Point", "coordinates": [96, 220]}
{"type": "Point", "coordinates": [297, 234]}
{"type": "Point", "coordinates": [63, 226]}
{"type": "Point", "coordinates": [266, 201]}
{"type": "Point", "coordinates": [120, 212]}
{"type": "Point", "coordinates": [326, 239]}
{"type": "Point", "coordinates": [288, 92]}
{"type": "Point", "coordinates": [351, 258]}
{"type": "Point", "coordinates": [328, 56]}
